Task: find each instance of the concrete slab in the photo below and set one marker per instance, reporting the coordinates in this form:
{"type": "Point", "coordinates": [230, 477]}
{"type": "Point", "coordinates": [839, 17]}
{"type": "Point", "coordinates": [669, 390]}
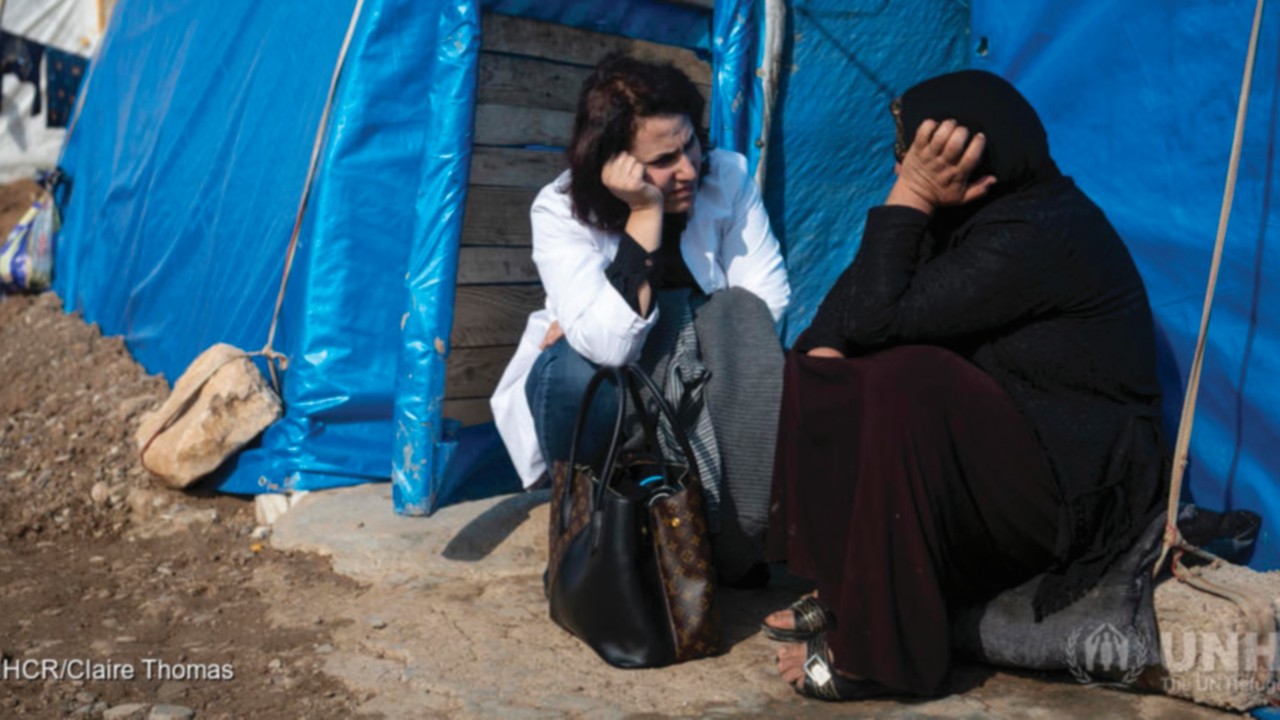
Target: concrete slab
{"type": "Point", "coordinates": [451, 622]}
{"type": "Point", "coordinates": [475, 541]}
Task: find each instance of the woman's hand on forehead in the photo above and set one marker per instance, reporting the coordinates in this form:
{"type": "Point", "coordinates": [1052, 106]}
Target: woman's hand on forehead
{"type": "Point", "coordinates": [936, 171]}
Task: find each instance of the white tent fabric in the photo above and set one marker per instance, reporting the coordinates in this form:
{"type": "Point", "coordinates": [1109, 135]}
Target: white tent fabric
{"type": "Point", "coordinates": [26, 144]}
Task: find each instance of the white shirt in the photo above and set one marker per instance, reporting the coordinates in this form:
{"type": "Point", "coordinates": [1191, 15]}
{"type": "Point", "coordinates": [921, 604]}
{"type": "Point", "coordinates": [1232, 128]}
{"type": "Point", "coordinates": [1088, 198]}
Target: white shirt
{"type": "Point", "coordinates": [726, 243]}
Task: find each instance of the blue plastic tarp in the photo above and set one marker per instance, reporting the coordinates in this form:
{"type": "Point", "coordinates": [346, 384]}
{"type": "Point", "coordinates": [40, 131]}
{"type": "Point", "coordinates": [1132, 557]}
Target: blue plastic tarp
{"type": "Point", "coordinates": [1140, 99]}
{"type": "Point", "coordinates": [423, 447]}
{"type": "Point", "coordinates": [831, 146]}
{"type": "Point", "coordinates": [188, 163]}
{"type": "Point", "coordinates": [653, 20]}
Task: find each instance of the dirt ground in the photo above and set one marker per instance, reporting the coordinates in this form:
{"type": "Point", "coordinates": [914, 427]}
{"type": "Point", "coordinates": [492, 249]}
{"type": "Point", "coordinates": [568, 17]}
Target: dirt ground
{"type": "Point", "coordinates": [104, 572]}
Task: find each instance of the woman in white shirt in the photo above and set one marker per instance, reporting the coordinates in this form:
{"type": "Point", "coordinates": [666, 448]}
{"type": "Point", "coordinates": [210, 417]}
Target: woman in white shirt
{"type": "Point", "coordinates": [636, 241]}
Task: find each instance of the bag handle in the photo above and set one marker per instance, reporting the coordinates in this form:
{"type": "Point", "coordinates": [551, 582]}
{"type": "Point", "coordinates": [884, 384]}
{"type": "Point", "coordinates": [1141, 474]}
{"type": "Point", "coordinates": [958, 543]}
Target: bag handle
{"type": "Point", "coordinates": [625, 379]}
{"type": "Point", "coordinates": [583, 407]}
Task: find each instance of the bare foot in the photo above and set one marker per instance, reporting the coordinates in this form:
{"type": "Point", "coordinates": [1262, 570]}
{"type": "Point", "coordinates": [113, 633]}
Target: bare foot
{"type": "Point", "coordinates": [791, 659]}
{"type": "Point", "coordinates": [785, 619]}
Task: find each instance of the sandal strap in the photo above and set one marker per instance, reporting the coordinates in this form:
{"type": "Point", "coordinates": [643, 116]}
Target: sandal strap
{"type": "Point", "coordinates": [821, 682]}
{"type": "Point", "coordinates": [812, 615]}
{"type": "Point", "coordinates": [819, 676]}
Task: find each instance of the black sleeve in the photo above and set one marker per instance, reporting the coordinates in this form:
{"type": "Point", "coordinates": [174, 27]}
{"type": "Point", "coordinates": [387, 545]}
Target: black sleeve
{"type": "Point", "coordinates": [999, 274]}
{"type": "Point", "coordinates": [834, 324]}
{"type": "Point", "coordinates": [630, 269]}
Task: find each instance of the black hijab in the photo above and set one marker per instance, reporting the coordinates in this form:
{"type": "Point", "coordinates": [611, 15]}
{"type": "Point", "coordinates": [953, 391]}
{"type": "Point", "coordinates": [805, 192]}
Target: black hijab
{"type": "Point", "coordinates": [1017, 150]}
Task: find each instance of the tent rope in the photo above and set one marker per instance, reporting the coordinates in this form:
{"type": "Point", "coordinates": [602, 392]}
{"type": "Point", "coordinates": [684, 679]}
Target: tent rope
{"type": "Point", "coordinates": [1172, 536]}
{"type": "Point", "coordinates": [276, 359]}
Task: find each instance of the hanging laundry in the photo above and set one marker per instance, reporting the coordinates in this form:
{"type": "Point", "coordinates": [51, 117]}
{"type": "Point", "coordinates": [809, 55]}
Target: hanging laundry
{"type": "Point", "coordinates": [21, 57]}
{"type": "Point", "coordinates": [63, 73]}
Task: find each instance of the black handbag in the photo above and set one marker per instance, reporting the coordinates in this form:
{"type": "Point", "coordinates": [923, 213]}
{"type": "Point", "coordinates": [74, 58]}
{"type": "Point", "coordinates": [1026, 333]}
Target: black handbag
{"type": "Point", "coordinates": [629, 570]}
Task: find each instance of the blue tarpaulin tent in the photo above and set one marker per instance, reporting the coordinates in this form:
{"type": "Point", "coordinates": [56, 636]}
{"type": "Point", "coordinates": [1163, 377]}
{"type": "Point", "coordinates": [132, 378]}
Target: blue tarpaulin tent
{"type": "Point", "coordinates": [194, 136]}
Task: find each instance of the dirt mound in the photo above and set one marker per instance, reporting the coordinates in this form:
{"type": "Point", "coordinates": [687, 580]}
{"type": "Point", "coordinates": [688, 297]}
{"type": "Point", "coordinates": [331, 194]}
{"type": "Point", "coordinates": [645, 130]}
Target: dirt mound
{"type": "Point", "coordinates": [69, 402]}
{"type": "Point", "coordinates": [101, 566]}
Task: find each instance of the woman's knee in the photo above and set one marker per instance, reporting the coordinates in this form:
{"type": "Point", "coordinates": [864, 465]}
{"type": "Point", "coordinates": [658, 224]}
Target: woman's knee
{"type": "Point", "coordinates": [559, 371]}
{"type": "Point", "coordinates": [555, 389]}
{"type": "Point", "coordinates": [928, 378]}
{"type": "Point", "coordinates": [740, 302]}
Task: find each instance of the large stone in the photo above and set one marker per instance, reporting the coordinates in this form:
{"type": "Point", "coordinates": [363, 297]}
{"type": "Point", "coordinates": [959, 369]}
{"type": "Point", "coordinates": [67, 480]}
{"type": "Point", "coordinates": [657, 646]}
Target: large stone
{"type": "Point", "coordinates": [171, 712]}
{"type": "Point", "coordinates": [129, 711]}
{"type": "Point", "coordinates": [220, 403]}
{"type": "Point", "coordinates": [1212, 655]}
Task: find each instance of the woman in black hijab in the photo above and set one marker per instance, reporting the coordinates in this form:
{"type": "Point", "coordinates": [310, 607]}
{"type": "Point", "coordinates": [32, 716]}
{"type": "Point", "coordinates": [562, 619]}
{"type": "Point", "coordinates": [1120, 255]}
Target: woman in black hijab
{"type": "Point", "coordinates": [975, 403]}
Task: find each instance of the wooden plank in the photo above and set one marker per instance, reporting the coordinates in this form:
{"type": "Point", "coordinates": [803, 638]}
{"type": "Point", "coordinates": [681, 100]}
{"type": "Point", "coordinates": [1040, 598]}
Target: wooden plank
{"type": "Point", "coordinates": [529, 82]}
{"type": "Point", "coordinates": [487, 315]}
{"type": "Point", "coordinates": [537, 83]}
{"type": "Point", "coordinates": [521, 36]}
{"type": "Point", "coordinates": [514, 167]}
{"type": "Point", "coordinates": [704, 4]}
{"type": "Point", "coordinates": [491, 265]}
{"type": "Point", "coordinates": [471, 411]}
{"type": "Point", "coordinates": [497, 216]}
{"type": "Point", "coordinates": [511, 125]}
{"type": "Point", "coordinates": [474, 372]}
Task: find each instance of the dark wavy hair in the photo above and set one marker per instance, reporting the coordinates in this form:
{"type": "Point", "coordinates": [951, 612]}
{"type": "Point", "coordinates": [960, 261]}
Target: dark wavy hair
{"type": "Point", "coordinates": [619, 93]}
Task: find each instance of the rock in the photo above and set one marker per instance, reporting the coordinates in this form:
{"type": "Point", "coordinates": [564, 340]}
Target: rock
{"type": "Point", "coordinates": [275, 665]}
{"type": "Point", "coordinates": [144, 502]}
{"type": "Point", "coordinates": [377, 623]}
{"type": "Point", "coordinates": [85, 697]}
{"type": "Point", "coordinates": [170, 712]}
{"type": "Point", "coordinates": [129, 711]}
{"type": "Point", "coordinates": [232, 404]}
{"type": "Point", "coordinates": [169, 691]}
{"type": "Point", "coordinates": [268, 507]}
{"type": "Point", "coordinates": [262, 532]}
{"type": "Point", "coordinates": [1209, 655]}
{"type": "Point", "coordinates": [99, 493]}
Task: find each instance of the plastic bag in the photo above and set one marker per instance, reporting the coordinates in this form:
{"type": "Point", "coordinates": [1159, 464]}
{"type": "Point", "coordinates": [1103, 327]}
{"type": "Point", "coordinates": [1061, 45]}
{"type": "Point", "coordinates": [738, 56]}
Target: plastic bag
{"type": "Point", "coordinates": [26, 257]}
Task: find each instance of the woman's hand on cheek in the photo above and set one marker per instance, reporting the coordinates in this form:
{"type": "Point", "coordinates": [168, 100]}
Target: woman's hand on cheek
{"type": "Point", "coordinates": [623, 175]}
{"type": "Point", "coordinates": [937, 167]}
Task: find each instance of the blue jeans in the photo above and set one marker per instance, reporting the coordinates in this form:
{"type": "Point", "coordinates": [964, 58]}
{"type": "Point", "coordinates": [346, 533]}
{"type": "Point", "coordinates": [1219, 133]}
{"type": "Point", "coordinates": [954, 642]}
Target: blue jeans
{"type": "Point", "coordinates": [554, 389]}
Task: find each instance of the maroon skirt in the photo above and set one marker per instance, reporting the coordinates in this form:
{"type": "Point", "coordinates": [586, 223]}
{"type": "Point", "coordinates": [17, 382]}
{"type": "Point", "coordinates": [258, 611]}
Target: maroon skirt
{"type": "Point", "coordinates": [906, 483]}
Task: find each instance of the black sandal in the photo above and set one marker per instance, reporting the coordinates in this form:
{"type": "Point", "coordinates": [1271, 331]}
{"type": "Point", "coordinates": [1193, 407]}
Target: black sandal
{"type": "Point", "coordinates": [812, 618]}
{"type": "Point", "coordinates": [822, 682]}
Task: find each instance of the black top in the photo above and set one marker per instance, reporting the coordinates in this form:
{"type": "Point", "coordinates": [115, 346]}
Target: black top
{"type": "Point", "coordinates": [1037, 289]}
{"type": "Point", "coordinates": [662, 269]}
